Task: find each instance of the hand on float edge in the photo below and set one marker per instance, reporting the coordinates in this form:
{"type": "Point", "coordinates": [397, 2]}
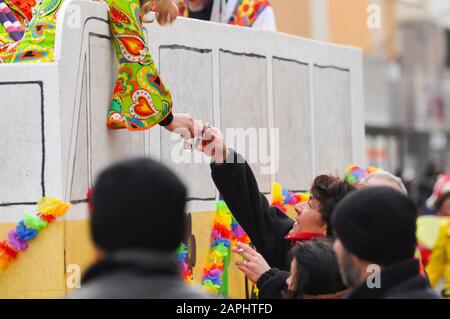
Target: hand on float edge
{"type": "Point", "coordinates": [166, 12]}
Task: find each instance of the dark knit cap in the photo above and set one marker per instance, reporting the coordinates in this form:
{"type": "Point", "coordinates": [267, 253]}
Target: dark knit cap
{"type": "Point", "coordinates": [377, 224]}
{"type": "Point", "coordinates": [138, 203]}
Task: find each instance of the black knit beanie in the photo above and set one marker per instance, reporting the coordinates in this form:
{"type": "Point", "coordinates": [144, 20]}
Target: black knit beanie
{"type": "Point", "coordinates": [377, 224]}
{"type": "Point", "coordinates": [138, 203]}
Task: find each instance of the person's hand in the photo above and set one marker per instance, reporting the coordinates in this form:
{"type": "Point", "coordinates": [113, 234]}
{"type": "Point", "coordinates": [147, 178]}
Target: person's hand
{"type": "Point", "coordinates": [166, 12]}
{"type": "Point", "coordinates": [212, 144]}
{"type": "Point", "coordinates": [253, 265]}
{"type": "Point", "coordinates": [186, 126]}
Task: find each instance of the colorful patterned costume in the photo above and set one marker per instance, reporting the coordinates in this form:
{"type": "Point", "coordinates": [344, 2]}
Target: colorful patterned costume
{"type": "Point", "coordinates": [37, 45]}
{"type": "Point", "coordinates": [245, 14]}
{"type": "Point", "coordinates": [140, 99]}
{"type": "Point", "coordinates": [9, 22]}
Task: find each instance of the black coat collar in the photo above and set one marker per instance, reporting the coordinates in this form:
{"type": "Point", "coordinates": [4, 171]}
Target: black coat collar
{"type": "Point", "coordinates": [403, 277]}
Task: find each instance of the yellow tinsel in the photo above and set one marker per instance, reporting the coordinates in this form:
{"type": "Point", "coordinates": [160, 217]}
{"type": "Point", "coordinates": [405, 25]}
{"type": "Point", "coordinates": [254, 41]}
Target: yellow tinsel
{"type": "Point", "coordinates": [52, 206]}
{"type": "Point", "coordinates": [277, 193]}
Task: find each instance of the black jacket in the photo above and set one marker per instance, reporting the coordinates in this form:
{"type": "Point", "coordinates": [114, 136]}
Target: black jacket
{"type": "Point", "coordinates": [399, 281]}
{"type": "Point", "coordinates": [265, 225]}
{"type": "Point", "coordinates": [136, 274]}
{"type": "Point", "coordinates": [272, 284]}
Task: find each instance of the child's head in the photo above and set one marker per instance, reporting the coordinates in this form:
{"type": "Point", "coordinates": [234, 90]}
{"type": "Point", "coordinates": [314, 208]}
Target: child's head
{"type": "Point", "coordinates": [166, 10]}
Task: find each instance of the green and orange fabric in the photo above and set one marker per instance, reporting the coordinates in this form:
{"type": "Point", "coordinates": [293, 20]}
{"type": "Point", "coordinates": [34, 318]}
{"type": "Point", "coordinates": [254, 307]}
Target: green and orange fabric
{"type": "Point", "coordinates": [140, 99]}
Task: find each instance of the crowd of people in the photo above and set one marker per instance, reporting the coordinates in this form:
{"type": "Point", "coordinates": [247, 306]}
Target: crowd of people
{"type": "Point", "coordinates": [347, 241]}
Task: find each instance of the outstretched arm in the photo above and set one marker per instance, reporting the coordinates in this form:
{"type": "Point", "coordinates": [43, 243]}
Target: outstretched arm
{"type": "Point", "coordinates": [265, 225]}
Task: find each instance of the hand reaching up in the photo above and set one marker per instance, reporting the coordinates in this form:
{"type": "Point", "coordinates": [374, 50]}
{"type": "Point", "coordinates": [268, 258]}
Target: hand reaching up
{"type": "Point", "coordinates": [212, 144]}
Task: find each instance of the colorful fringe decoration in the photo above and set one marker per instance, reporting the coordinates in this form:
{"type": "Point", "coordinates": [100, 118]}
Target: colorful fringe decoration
{"type": "Point", "coordinates": [283, 198]}
{"type": "Point", "coordinates": [355, 174]}
{"type": "Point", "coordinates": [48, 208]}
{"type": "Point", "coordinates": [10, 23]}
{"type": "Point", "coordinates": [226, 232]}
{"type": "Point", "coordinates": [182, 254]}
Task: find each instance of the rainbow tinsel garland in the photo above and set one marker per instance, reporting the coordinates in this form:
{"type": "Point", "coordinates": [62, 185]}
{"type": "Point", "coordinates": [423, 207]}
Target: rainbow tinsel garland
{"type": "Point", "coordinates": [182, 254]}
{"type": "Point", "coordinates": [283, 198]}
{"type": "Point", "coordinates": [355, 174]}
{"type": "Point", "coordinates": [225, 234]}
{"type": "Point", "coordinates": [48, 209]}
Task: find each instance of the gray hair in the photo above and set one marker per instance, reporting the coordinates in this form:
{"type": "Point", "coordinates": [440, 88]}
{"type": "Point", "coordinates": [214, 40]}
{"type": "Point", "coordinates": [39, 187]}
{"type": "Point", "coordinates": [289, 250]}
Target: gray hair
{"type": "Point", "coordinates": [388, 177]}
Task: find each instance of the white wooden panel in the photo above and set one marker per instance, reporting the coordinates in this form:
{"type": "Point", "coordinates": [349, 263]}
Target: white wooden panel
{"type": "Point", "coordinates": [79, 179]}
{"type": "Point", "coordinates": [188, 73]}
{"type": "Point", "coordinates": [292, 116]}
{"type": "Point", "coordinates": [332, 120]}
{"type": "Point", "coordinates": [107, 146]}
{"type": "Point", "coordinates": [243, 92]}
{"type": "Point", "coordinates": [22, 142]}
{"type": "Point", "coordinates": [30, 140]}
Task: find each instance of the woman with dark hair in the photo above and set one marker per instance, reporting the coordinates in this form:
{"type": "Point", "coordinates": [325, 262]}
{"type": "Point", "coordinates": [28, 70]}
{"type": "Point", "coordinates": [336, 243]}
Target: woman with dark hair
{"type": "Point", "coordinates": [314, 215]}
{"type": "Point", "coordinates": [271, 231]}
{"type": "Point", "coordinates": [312, 221]}
{"type": "Point", "coordinates": [314, 272]}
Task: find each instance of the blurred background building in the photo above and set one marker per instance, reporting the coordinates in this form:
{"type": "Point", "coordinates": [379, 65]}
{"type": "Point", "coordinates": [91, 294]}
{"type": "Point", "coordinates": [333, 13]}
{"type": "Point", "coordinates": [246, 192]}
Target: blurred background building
{"type": "Point", "coordinates": [407, 76]}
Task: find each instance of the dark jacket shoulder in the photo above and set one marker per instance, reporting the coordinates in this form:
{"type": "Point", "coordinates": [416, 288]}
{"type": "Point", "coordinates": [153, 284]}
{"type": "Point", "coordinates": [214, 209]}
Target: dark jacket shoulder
{"type": "Point", "coordinates": [400, 281]}
{"type": "Point", "coordinates": [136, 275]}
{"type": "Point", "coordinates": [272, 284]}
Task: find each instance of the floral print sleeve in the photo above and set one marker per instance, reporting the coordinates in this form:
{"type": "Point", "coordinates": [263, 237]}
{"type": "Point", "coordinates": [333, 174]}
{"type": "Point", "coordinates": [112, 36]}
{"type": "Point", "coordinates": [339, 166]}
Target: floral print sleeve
{"type": "Point", "coordinates": [140, 99]}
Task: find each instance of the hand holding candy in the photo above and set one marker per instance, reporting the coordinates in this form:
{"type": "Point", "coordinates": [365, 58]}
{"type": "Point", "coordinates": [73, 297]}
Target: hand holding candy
{"type": "Point", "coordinates": [212, 144]}
{"type": "Point", "coordinates": [186, 126]}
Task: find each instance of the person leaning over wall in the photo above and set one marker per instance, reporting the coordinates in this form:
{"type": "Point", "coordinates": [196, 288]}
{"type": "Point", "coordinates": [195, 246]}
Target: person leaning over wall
{"type": "Point", "coordinates": [271, 231]}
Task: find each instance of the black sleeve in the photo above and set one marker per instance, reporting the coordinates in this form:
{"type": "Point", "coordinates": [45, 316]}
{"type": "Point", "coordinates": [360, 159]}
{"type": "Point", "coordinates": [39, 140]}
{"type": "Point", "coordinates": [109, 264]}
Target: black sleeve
{"type": "Point", "coordinates": [167, 120]}
{"type": "Point", "coordinates": [265, 225]}
{"type": "Point", "coordinates": [272, 284]}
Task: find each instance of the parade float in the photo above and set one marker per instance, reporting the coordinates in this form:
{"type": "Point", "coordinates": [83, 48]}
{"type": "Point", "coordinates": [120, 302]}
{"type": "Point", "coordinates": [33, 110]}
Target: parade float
{"type": "Point", "coordinates": [305, 98]}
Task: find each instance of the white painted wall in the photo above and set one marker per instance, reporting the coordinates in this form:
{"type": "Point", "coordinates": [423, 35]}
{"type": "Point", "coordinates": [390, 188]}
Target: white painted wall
{"type": "Point", "coordinates": [229, 76]}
